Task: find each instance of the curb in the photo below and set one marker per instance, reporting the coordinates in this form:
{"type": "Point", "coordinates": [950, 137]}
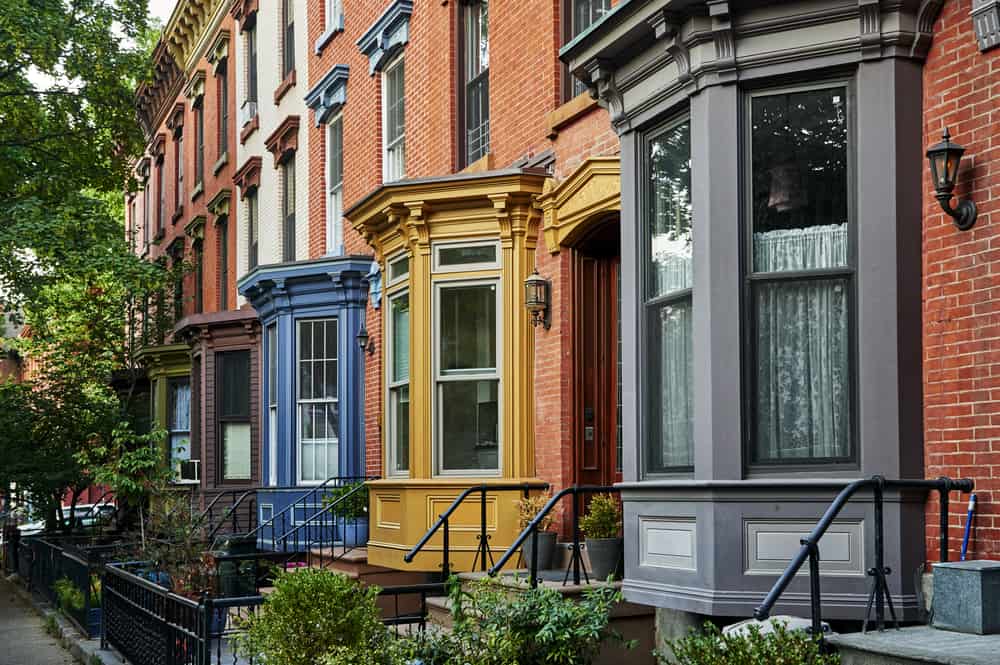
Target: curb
{"type": "Point", "coordinates": [84, 650]}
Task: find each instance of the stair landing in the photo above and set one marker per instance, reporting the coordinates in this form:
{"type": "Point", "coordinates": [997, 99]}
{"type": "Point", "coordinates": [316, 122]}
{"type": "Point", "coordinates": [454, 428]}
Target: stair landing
{"type": "Point", "coordinates": [917, 645]}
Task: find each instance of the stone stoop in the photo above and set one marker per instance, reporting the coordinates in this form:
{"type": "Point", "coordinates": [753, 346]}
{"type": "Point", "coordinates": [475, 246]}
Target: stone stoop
{"type": "Point", "coordinates": [632, 621]}
{"type": "Point", "coordinates": [916, 645]}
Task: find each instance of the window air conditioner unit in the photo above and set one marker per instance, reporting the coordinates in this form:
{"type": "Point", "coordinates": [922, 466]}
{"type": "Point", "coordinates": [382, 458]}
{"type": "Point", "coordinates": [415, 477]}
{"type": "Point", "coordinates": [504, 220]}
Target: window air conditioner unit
{"type": "Point", "coordinates": [189, 471]}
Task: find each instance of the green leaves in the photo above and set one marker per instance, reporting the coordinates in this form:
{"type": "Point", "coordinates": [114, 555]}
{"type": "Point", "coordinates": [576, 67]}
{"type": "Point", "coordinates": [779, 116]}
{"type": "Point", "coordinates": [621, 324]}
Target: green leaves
{"type": "Point", "coordinates": [779, 647]}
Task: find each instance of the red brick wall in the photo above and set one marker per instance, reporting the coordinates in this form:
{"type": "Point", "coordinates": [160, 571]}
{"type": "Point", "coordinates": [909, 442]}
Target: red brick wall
{"type": "Point", "coordinates": [213, 183]}
{"type": "Point", "coordinates": [962, 283]}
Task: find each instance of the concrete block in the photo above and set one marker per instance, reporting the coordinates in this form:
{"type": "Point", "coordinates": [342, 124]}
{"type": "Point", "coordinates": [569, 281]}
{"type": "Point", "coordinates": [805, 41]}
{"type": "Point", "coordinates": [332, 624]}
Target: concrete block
{"type": "Point", "coordinates": [967, 597]}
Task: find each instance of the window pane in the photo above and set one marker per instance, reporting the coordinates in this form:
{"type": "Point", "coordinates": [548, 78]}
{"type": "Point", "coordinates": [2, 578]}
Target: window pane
{"type": "Point", "coordinates": [318, 440]}
{"type": "Point", "coordinates": [236, 451]}
{"type": "Point", "coordinates": [272, 364]}
{"type": "Point", "coordinates": [671, 412]}
{"type": "Point", "coordinates": [234, 387]}
{"type": "Point", "coordinates": [670, 211]}
{"type": "Point", "coordinates": [180, 405]}
{"type": "Point", "coordinates": [468, 327]}
{"type": "Point", "coordinates": [802, 365]}
{"type": "Point", "coordinates": [469, 425]}
{"type": "Point", "coordinates": [401, 423]}
{"type": "Point", "coordinates": [799, 166]}
{"type": "Point", "coordinates": [400, 307]}
{"type": "Point", "coordinates": [465, 255]}
{"type": "Point", "coordinates": [399, 268]}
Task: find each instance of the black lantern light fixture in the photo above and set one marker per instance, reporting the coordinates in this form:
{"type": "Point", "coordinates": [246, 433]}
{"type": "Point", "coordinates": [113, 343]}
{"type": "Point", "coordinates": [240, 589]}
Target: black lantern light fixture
{"type": "Point", "coordinates": [536, 299]}
{"type": "Point", "coordinates": [945, 158]}
{"type": "Point", "coordinates": [364, 342]}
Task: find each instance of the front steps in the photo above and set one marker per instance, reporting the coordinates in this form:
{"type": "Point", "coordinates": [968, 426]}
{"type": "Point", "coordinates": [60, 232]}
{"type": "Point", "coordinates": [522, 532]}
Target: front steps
{"type": "Point", "coordinates": [632, 621]}
{"type": "Point", "coordinates": [916, 645]}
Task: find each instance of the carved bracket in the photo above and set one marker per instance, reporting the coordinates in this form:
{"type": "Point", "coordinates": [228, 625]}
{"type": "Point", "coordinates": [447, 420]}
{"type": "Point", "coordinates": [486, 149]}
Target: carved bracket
{"type": "Point", "coordinates": [601, 84]}
{"type": "Point", "coordinates": [284, 141]}
{"type": "Point", "coordinates": [870, 29]}
{"type": "Point", "coordinates": [247, 178]}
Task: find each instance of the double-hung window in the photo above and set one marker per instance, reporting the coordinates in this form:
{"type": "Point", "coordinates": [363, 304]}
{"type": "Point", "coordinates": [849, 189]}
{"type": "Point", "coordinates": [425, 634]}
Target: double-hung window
{"type": "Point", "coordinates": [800, 279]}
{"type": "Point", "coordinates": [476, 79]}
{"type": "Point", "coordinates": [233, 404]}
{"type": "Point", "coordinates": [253, 229]}
{"type": "Point", "coordinates": [145, 216]}
{"type": "Point", "coordinates": [582, 15]}
{"type": "Point", "coordinates": [318, 417]}
{"type": "Point", "coordinates": [399, 383]}
{"type": "Point", "coordinates": [271, 341]}
{"type": "Point", "coordinates": [334, 15]}
{"type": "Point", "coordinates": [161, 193]}
{"type": "Point", "coordinates": [393, 122]}
{"type": "Point", "coordinates": [288, 38]}
{"type": "Point", "coordinates": [468, 378]}
{"type": "Point", "coordinates": [334, 184]}
{"type": "Point", "coordinates": [223, 229]}
{"type": "Point", "coordinates": [288, 208]}
{"type": "Point", "coordinates": [179, 421]}
{"type": "Point", "coordinates": [199, 138]}
{"type": "Point", "coordinates": [222, 78]}
{"type": "Point", "coordinates": [178, 170]}
{"type": "Point", "coordinates": [667, 299]}
{"type": "Point", "coordinates": [252, 70]}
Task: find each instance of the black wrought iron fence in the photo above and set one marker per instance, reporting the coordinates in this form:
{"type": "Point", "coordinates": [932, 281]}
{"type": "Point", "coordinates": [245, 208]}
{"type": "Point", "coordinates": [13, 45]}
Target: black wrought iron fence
{"type": "Point", "coordinates": [150, 625]}
{"type": "Point", "coordinates": [67, 579]}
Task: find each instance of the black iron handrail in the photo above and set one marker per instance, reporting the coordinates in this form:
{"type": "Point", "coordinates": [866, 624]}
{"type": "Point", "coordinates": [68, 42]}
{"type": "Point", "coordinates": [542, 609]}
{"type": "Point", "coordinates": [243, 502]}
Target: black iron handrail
{"type": "Point", "coordinates": [483, 549]}
{"type": "Point", "coordinates": [531, 529]}
{"type": "Point", "coordinates": [880, 589]}
{"type": "Point", "coordinates": [232, 511]}
{"type": "Point", "coordinates": [302, 500]}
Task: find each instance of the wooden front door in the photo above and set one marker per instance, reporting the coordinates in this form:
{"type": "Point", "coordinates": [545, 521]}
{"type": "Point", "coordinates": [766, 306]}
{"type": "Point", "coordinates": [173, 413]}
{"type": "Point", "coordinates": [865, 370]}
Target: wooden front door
{"type": "Point", "coordinates": [597, 403]}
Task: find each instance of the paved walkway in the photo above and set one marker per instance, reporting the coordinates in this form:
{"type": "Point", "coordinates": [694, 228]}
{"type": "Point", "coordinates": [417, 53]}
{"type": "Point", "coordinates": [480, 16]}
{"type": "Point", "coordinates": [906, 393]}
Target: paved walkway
{"type": "Point", "coordinates": [23, 640]}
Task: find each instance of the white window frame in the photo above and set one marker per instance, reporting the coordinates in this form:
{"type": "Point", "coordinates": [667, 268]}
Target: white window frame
{"type": "Point", "coordinates": [465, 267]}
{"type": "Point", "coordinates": [465, 375]}
{"type": "Point", "coordinates": [271, 360]}
{"type": "Point", "coordinates": [399, 279]}
{"type": "Point", "coordinates": [334, 192]}
{"type": "Point", "coordinates": [387, 174]}
{"type": "Point", "coordinates": [299, 401]}
{"type": "Point", "coordinates": [171, 383]}
{"type": "Point", "coordinates": [334, 15]}
{"type": "Point", "coordinates": [390, 385]}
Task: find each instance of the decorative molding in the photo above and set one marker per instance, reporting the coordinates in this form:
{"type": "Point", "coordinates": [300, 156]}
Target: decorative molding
{"type": "Point", "coordinates": [870, 29]}
{"type": "Point", "coordinates": [723, 38]}
{"type": "Point", "coordinates": [142, 169]}
{"type": "Point", "coordinates": [159, 146]}
{"type": "Point", "coordinates": [175, 121]}
{"type": "Point", "coordinates": [249, 128]}
{"type": "Point", "coordinates": [284, 141]}
{"type": "Point", "coordinates": [667, 26]}
{"type": "Point", "coordinates": [188, 27]}
{"type": "Point", "coordinates": [244, 12]}
{"type": "Point", "coordinates": [219, 205]}
{"type": "Point", "coordinates": [286, 84]}
{"type": "Point", "coordinates": [387, 36]}
{"type": "Point", "coordinates": [601, 83]}
{"type": "Point", "coordinates": [196, 228]}
{"type": "Point", "coordinates": [218, 52]}
{"type": "Point", "coordinates": [247, 178]}
{"type": "Point", "coordinates": [332, 28]}
{"type": "Point", "coordinates": [196, 86]}
{"type": "Point", "coordinates": [329, 95]}
{"type": "Point", "coordinates": [585, 198]}
{"type": "Point", "coordinates": [152, 98]}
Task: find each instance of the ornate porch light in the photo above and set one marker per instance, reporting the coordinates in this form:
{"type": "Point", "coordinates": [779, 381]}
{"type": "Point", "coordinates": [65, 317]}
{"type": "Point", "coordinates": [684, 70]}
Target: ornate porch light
{"type": "Point", "coordinates": [536, 299]}
{"type": "Point", "coordinates": [944, 158]}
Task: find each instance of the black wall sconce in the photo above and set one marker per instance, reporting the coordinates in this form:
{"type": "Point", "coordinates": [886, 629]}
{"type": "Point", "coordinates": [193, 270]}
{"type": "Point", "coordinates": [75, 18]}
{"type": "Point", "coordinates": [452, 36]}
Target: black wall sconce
{"type": "Point", "coordinates": [364, 342]}
{"type": "Point", "coordinates": [536, 299]}
{"type": "Point", "coordinates": [945, 158]}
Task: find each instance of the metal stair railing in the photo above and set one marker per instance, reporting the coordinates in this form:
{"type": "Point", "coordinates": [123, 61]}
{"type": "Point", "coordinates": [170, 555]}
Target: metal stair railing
{"type": "Point", "coordinates": [879, 593]}
{"type": "Point", "coordinates": [482, 549]}
{"type": "Point", "coordinates": [286, 516]}
{"type": "Point", "coordinates": [324, 525]}
{"type": "Point", "coordinates": [575, 564]}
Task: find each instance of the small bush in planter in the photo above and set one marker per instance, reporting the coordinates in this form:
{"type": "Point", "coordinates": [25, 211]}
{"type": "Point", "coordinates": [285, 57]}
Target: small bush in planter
{"type": "Point", "coordinates": [70, 598]}
{"type": "Point", "coordinates": [527, 509]}
{"type": "Point", "coordinates": [603, 518]}
{"type": "Point", "coordinates": [355, 506]}
{"type": "Point", "coordinates": [314, 616]}
{"type": "Point", "coordinates": [779, 647]}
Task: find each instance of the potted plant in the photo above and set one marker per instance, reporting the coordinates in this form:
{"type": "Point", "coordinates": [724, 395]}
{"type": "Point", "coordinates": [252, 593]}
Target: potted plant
{"type": "Point", "coordinates": [351, 513]}
{"type": "Point", "coordinates": [527, 509]}
{"type": "Point", "coordinates": [601, 526]}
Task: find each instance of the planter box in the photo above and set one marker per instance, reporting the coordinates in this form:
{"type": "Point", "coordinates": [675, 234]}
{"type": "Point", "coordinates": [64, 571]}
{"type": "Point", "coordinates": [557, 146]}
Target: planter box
{"type": "Point", "coordinates": [967, 597]}
{"type": "Point", "coordinates": [352, 532]}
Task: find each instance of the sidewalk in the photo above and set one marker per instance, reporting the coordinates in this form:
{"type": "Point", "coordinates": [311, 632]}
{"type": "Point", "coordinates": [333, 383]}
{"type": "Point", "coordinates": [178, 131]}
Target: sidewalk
{"type": "Point", "coordinates": [23, 640]}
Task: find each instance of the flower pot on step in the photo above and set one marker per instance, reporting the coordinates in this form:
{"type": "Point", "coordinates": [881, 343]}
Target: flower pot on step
{"type": "Point", "coordinates": [546, 548]}
{"type": "Point", "coordinates": [607, 556]}
{"type": "Point", "coordinates": [352, 531]}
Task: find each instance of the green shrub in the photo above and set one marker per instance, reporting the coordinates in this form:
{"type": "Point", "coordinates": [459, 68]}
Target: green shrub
{"type": "Point", "coordinates": [69, 597]}
{"type": "Point", "coordinates": [781, 647]}
{"type": "Point", "coordinates": [603, 518]}
{"type": "Point", "coordinates": [354, 506]}
{"type": "Point", "coordinates": [51, 626]}
{"type": "Point", "coordinates": [493, 625]}
{"type": "Point", "coordinates": [314, 616]}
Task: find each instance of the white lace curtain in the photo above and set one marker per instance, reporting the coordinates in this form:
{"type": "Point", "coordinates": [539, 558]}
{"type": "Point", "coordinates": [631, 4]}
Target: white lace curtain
{"type": "Point", "coordinates": [180, 421]}
{"type": "Point", "coordinates": [803, 394]}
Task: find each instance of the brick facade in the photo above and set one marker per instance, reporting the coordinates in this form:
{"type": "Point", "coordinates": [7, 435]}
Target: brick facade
{"type": "Point", "coordinates": [961, 292]}
{"type": "Point", "coordinates": [526, 89]}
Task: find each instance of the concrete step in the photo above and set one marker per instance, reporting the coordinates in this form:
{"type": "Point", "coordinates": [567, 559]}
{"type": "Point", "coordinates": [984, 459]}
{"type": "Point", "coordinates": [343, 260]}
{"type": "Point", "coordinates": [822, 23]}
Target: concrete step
{"type": "Point", "coordinates": [916, 645]}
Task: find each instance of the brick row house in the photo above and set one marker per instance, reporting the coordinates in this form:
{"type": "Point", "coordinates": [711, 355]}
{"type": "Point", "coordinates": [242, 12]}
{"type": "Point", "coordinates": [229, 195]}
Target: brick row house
{"type": "Point", "coordinates": [752, 294]}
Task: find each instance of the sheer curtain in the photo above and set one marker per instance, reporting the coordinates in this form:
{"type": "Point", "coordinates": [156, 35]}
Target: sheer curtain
{"type": "Point", "coordinates": [803, 345]}
{"type": "Point", "coordinates": [673, 272]}
{"type": "Point", "coordinates": [180, 421]}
